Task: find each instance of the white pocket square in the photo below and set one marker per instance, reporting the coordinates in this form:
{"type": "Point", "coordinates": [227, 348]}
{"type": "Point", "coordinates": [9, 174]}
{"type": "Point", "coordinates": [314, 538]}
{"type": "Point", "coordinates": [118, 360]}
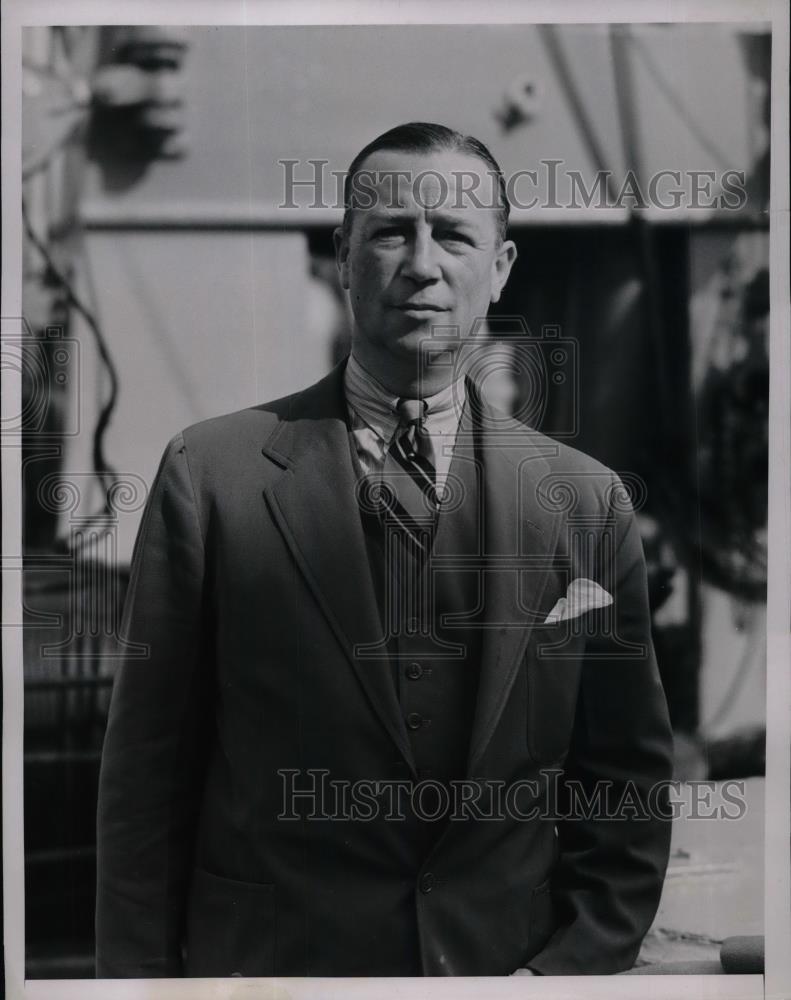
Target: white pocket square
{"type": "Point", "coordinates": [582, 595]}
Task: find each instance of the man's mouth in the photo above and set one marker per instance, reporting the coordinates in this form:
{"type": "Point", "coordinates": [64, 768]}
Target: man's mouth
{"type": "Point", "coordinates": [420, 307]}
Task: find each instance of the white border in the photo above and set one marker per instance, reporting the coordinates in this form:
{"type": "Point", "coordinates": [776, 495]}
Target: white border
{"type": "Point", "coordinates": [777, 836]}
{"type": "Point", "coordinates": [777, 887]}
{"type": "Point", "coordinates": [455, 988]}
{"type": "Point", "coordinates": [11, 396]}
{"type": "Point", "coordinates": [248, 12]}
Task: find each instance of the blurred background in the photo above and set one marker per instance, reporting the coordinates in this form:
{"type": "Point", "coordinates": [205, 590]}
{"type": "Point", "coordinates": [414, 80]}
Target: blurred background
{"type": "Point", "coordinates": [164, 283]}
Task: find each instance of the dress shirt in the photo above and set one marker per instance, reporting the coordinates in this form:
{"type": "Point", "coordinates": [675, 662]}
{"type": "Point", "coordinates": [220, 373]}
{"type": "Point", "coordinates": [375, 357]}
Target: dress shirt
{"type": "Point", "coordinates": [374, 419]}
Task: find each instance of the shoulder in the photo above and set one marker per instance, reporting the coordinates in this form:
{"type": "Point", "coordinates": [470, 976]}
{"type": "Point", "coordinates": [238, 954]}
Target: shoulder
{"type": "Point", "coordinates": [571, 479]}
{"type": "Point", "coordinates": [238, 429]}
{"type": "Point", "coordinates": [587, 474]}
{"type": "Point", "coordinates": [569, 459]}
{"type": "Point", "coordinates": [243, 432]}
{"type": "Point", "coordinates": [561, 457]}
{"type": "Point", "coordinates": [229, 444]}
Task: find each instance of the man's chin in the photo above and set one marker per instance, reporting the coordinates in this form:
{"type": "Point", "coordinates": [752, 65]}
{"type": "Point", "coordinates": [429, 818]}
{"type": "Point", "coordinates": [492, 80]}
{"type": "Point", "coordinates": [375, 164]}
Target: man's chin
{"type": "Point", "coordinates": [427, 334]}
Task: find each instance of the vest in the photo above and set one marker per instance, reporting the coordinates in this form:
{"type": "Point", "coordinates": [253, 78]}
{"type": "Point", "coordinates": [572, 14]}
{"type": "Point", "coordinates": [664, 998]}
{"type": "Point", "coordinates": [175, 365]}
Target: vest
{"type": "Point", "coordinates": [434, 655]}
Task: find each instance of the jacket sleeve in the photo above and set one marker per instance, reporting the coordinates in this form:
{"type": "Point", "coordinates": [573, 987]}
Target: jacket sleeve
{"type": "Point", "coordinates": [153, 759]}
{"type": "Point", "coordinates": [614, 830]}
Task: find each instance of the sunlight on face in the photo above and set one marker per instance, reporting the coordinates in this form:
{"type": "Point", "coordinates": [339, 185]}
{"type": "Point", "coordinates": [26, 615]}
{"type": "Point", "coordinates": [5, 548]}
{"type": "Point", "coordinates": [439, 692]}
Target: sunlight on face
{"type": "Point", "coordinates": [422, 258]}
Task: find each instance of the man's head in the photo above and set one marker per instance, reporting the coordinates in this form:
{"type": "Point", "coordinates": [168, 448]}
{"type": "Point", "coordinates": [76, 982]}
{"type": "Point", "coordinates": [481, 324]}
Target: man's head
{"type": "Point", "coordinates": [428, 137]}
{"type": "Point", "coordinates": [422, 246]}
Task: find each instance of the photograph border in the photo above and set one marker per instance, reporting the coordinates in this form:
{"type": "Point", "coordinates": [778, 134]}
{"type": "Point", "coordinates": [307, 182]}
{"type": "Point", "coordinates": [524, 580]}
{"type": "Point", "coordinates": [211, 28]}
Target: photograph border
{"type": "Point", "coordinates": [776, 982]}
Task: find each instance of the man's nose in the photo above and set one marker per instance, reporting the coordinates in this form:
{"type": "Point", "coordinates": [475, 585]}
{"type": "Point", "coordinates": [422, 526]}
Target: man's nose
{"type": "Point", "coordinates": [421, 263]}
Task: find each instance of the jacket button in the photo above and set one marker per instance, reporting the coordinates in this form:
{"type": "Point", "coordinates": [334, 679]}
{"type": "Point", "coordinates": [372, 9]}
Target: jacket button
{"type": "Point", "coordinates": [414, 720]}
{"type": "Point", "coordinates": [414, 671]}
{"type": "Point", "coordinates": [426, 882]}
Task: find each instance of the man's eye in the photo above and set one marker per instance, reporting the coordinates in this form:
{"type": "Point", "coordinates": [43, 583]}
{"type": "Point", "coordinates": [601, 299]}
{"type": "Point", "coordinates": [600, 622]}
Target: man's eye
{"type": "Point", "coordinates": [452, 236]}
{"type": "Point", "coordinates": [388, 232]}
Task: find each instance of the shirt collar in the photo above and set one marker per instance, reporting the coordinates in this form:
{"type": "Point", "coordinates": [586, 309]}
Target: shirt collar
{"type": "Point", "coordinates": [375, 404]}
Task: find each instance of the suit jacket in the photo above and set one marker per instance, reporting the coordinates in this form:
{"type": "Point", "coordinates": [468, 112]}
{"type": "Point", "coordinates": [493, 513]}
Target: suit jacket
{"type": "Point", "coordinates": [249, 599]}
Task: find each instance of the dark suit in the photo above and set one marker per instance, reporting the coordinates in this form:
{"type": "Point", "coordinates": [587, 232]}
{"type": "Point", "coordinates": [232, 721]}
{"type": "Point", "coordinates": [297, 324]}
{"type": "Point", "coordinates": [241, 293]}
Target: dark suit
{"type": "Point", "coordinates": [251, 586]}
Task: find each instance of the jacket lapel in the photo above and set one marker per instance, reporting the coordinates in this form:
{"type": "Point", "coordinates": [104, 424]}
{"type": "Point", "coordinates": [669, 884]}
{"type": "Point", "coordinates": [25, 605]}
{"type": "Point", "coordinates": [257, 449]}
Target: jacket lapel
{"type": "Point", "coordinates": [315, 507]}
{"type": "Point", "coordinates": [521, 533]}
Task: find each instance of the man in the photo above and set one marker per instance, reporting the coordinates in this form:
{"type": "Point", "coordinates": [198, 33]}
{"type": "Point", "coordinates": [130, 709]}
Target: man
{"type": "Point", "coordinates": [400, 713]}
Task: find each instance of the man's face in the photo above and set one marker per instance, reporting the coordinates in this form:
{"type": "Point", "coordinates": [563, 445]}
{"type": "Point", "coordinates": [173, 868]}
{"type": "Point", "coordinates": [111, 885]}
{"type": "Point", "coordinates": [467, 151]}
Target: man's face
{"type": "Point", "coordinates": [410, 267]}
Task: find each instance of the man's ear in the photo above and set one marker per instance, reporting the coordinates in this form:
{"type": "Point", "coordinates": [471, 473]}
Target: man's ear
{"type": "Point", "coordinates": [501, 267]}
{"type": "Point", "coordinates": [339, 238]}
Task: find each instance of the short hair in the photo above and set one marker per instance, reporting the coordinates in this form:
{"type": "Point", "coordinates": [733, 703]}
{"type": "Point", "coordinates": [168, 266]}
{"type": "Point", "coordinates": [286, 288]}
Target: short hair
{"type": "Point", "coordinates": [428, 137]}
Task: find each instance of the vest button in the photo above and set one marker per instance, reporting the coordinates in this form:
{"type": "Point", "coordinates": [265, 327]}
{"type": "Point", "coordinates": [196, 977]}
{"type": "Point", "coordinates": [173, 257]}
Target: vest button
{"type": "Point", "coordinates": [414, 671]}
{"type": "Point", "coordinates": [426, 882]}
{"type": "Point", "coordinates": [414, 720]}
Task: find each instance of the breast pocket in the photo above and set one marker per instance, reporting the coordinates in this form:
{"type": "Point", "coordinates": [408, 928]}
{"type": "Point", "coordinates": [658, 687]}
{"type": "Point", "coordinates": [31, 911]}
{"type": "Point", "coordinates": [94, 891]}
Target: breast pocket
{"type": "Point", "coordinates": [230, 927]}
{"type": "Point", "coordinates": [553, 662]}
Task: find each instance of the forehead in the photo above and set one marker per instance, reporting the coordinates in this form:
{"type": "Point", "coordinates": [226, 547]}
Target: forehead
{"type": "Point", "coordinates": [442, 182]}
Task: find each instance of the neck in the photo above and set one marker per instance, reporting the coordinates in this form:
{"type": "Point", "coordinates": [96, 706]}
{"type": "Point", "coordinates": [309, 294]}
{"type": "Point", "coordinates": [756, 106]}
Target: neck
{"type": "Point", "coordinates": [405, 377]}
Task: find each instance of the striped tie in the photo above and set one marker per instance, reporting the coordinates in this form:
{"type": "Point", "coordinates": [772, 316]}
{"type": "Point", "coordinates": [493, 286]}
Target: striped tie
{"type": "Point", "coordinates": [412, 447]}
{"type": "Point", "coordinates": [404, 501]}
{"type": "Point", "coordinates": [408, 494]}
